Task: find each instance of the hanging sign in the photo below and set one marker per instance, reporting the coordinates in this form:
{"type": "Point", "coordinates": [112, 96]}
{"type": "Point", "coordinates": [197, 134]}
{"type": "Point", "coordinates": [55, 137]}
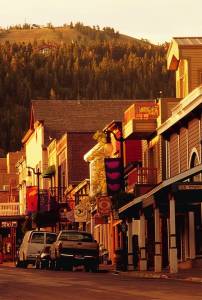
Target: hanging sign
{"type": "Point", "coordinates": [104, 205]}
{"type": "Point", "coordinates": [80, 213]}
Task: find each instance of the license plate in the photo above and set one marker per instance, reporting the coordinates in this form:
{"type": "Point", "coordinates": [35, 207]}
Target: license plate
{"type": "Point", "coordinates": [79, 257]}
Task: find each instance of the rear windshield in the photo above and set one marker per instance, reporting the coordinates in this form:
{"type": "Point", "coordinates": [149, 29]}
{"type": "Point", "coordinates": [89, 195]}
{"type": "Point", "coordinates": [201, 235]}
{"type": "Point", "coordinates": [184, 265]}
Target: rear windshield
{"type": "Point", "coordinates": [75, 236]}
{"type": "Point", "coordinates": [50, 238]}
{"type": "Point", "coordinates": [37, 237]}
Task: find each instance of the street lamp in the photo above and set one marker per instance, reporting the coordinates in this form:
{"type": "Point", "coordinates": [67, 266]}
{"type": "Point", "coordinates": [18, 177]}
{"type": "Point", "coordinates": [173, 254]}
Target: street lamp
{"type": "Point", "coordinates": [37, 173]}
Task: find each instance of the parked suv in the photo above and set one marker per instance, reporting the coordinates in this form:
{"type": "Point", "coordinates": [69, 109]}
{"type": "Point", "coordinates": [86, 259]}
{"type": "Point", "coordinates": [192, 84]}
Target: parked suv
{"type": "Point", "coordinates": [33, 242]}
{"type": "Point", "coordinates": [73, 248]}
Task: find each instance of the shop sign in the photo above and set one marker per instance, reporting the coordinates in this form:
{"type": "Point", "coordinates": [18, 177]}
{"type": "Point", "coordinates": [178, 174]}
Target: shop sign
{"type": "Point", "coordinates": [7, 224]}
{"type": "Point", "coordinates": [98, 219]}
{"type": "Point", "coordinates": [146, 111]}
{"type": "Point", "coordinates": [80, 213]}
{"type": "Point", "coordinates": [104, 205]}
{"type": "Point", "coordinates": [185, 187]}
{"type": "Point", "coordinates": [31, 199]}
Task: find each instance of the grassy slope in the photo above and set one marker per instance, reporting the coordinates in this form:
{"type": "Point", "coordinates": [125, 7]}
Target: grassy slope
{"type": "Point", "coordinates": [56, 35]}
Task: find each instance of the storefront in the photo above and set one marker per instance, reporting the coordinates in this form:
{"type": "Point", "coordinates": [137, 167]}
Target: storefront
{"type": "Point", "coordinates": [10, 236]}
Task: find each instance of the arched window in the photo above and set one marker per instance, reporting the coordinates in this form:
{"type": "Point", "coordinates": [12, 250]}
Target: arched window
{"type": "Point", "coordinates": [193, 163]}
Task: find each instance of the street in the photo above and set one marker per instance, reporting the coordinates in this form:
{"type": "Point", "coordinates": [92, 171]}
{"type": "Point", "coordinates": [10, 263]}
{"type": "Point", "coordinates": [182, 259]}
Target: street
{"type": "Point", "coordinates": [28, 284]}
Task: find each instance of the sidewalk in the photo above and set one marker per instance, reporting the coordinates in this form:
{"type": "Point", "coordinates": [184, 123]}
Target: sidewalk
{"type": "Point", "coordinates": [193, 275]}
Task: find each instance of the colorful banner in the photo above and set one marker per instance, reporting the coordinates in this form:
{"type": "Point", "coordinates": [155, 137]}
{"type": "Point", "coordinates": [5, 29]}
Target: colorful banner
{"type": "Point", "coordinates": [113, 169]}
{"type": "Point", "coordinates": [31, 199]}
{"type": "Point", "coordinates": [103, 205]}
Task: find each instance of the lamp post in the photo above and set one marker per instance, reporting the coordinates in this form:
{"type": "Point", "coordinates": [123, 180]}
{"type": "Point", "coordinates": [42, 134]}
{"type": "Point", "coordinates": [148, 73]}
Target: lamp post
{"type": "Point", "coordinates": [122, 257]}
{"type": "Point", "coordinates": [37, 173]}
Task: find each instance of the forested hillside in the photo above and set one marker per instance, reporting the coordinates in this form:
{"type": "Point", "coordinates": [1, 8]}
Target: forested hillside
{"type": "Point", "coordinates": [97, 64]}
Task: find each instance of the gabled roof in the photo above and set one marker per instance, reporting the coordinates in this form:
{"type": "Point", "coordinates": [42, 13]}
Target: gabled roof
{"type": "Point", "coordinates": [177, 43]}
{"type": "Point", "coordinates": [59, 116]}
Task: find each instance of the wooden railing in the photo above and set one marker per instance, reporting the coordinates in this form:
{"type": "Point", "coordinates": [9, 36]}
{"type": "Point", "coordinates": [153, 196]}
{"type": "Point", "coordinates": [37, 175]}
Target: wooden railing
{"type": "Point", "coordinates": [141, 175]}
{"type": "Point", "coordinates": [9, 209]}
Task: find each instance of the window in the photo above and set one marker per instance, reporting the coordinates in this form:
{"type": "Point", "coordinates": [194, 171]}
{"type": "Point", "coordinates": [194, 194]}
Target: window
{"type": "Point", "coordinates": [50, 238]}
{"type": "Point", "coordinates": [37, 237]}
{"type": "Point", "coordinates": [75, 236]}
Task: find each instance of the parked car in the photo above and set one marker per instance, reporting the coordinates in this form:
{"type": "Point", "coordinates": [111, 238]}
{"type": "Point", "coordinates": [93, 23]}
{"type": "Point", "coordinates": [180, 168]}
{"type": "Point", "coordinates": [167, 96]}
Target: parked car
{"type": "Point", "coordinates": [43, 258]}
{"type": "Point", "coordinates": [33, 242]}
{"type": "Point", "coordinates": [75, 248]}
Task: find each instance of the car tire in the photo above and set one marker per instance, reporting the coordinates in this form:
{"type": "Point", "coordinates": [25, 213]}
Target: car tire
{"type": "Point", "coordinates": [57, 265]}
{"type": "Point", "coordinates": [18, 263]}
{"type": "Point", "coordinates": [95, 269]}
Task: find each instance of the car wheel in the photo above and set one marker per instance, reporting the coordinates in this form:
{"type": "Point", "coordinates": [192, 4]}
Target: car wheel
{"type": "Point", "coordinates": [51, 265]}
{"type": "Point", "coordinates": [18, 263]}
{"type": "Point", "coordinates": [95, 269]}
{"type": "Point", "coordinates": [37, 264]}
{"type": "Point", "coordinates": [87, 269]}
{"type": "Point", "coordinates": [57, 265]}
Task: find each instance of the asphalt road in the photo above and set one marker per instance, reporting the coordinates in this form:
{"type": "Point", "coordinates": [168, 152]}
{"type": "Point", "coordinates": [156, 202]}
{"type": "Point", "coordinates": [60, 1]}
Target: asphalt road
{"type": "Point", "coordinates": [32, 284]}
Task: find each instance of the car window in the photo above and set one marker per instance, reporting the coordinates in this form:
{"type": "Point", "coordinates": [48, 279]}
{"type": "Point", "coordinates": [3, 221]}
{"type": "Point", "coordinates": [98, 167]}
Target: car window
{"type": "Point", "coordinates": [50, 238]}
{"type": "Point", "coordinates": [76, 236]}
{"type": "Point", "coordinates": [37, 237]}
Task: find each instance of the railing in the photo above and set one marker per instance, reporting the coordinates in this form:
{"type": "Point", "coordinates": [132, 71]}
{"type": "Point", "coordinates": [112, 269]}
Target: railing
{"type": "Point", "coordinates": [58, 193]}
{"type": "Point", "coordinates": [141, 175]}
{"type": "Point", "coordinates": [9, 209]}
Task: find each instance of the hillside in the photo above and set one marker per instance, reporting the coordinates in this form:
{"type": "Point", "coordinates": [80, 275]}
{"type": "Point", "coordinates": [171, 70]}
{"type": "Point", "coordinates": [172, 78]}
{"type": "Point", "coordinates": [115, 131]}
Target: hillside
{"type": "Point", "coordinates": [73, 62]}
{"type": "Point", "coordinates": [54, 34]}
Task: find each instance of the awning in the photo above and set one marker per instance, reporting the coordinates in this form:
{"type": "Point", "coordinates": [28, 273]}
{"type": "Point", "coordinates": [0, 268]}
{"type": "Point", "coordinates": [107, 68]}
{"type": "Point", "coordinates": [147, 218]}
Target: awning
{"type": "Point", "coordinates": [49, 172]}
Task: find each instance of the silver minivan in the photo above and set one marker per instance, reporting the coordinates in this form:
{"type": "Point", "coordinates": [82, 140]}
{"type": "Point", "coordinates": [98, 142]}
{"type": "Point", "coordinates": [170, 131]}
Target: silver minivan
{"type": "Point", "coordinates": [33, 242]}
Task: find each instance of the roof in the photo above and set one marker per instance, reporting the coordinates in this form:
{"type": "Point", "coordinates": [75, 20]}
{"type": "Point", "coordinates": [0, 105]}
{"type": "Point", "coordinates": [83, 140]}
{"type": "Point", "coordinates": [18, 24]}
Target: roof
{"type": "Point", "coordinates": [185, 107]}
{"type": "Point", "coordinates": [178, 43]}
{"type": "Point", "coordinates": [188, 41]}
{"type": "Point", "coordinates": [60, 116]}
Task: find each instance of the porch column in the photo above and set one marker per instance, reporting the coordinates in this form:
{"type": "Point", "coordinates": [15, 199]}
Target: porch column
{"type": "Point", "coordinates": [143, 259]}
{"type": "Point", "coordinates": [116, 237]}
{"type": "Point", "coordinates": [172, 231]}
{"type": "Point", "coordinates": [105, 236]}
{"type": "Point", "coordinates": [192, 250]}
{"type": "Point", "coordinates": [158, 252]}
{"type": "Point", "coordinates": [130, 246]}
{"type": "Point", "coordinates": [101, 234]}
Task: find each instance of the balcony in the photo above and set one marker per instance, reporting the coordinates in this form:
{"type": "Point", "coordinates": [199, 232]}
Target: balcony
{"type": "Point", "coordinates": [140, 180]}
{"type": "Point", "coordinates": [9, 209]}
{"type": "Point", "coordinates": [140, 120]}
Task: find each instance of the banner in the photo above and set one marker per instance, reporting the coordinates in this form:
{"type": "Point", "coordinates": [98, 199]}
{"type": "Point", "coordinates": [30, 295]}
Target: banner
{"type": "Point", "coordinates": [103, 205]}
{"type": "Point", "coordinates": [31, 199]}
{"type": "Point", "coordinates": [113, 169]}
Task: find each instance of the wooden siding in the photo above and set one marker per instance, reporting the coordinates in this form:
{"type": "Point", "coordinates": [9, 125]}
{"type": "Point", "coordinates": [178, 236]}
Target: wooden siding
{"type": "Point", "coordinates": [144, 153]}
{"type": "Point", "coordinates": [174, 159]}
{"type": "Point", "coordinates": [183, 149]}
{"type": "Point", "coordinates": [78, 145]}
{"type": "Point", "coordinates": [193, 136]}
{"type": "Point", "coordinates": [194, 57]}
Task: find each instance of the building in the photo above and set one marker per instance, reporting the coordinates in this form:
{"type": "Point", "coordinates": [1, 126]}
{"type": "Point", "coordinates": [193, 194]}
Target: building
{"type": "Point", "coordinates": [71, 125]}
{"type": "Point", "coordinates": [169, 214]}
{"type": "Point", "coordinates": [11, 215]}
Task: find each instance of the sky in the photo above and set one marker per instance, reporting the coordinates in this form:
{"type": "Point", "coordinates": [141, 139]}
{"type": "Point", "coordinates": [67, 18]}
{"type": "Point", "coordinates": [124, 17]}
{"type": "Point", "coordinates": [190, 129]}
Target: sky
{"type": "Point", "coordinates": [155, 20]}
